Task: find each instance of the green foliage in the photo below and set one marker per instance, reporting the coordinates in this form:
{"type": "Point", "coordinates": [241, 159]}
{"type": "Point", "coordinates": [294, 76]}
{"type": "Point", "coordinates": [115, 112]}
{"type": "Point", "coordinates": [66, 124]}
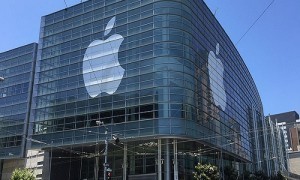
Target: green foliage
{"type": "Point", "coordinates": [22, 174]}
{"type": "Point", "coordinates": [230, 173]}
{"type": "Point", "coordinates": [259, 175]}
{"type": "Point", "coordinates": [206, 172]}
{"type": "Point", "coordinates": [278, 176]}
{"type": "Point", "coordinates": [246, 175]}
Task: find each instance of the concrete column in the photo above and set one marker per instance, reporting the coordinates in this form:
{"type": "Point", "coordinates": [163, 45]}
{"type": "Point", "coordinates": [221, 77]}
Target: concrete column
{"type": "Point", "coordinates": [167, 163]}
{"type": "Point", "coordinates": [46, 166]}
{"type": "Point", "coordinates": [125, 162]}
{"type": "Point", "coordinates": [1, 168]}
{"type": "Point", "coordinates": [175, 159]}
{"type": "Point", "coordinates": [96, 164]}
{"type": "Point", "coordinates": [159, 160]}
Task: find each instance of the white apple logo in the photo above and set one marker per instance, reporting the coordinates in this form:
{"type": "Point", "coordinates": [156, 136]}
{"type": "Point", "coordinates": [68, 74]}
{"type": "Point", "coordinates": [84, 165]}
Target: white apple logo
{"type": "Point", "coordinates": [216, 77]}
{"type": "Point", "coordinates": [102, 71]}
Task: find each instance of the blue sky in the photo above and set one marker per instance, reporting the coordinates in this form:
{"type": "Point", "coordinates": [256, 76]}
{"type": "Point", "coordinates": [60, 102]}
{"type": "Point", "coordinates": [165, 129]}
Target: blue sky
{"type": "Point", "coordinates": [270, 49]}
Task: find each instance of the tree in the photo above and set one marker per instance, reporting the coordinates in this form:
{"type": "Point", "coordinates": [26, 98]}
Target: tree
{"type": "Point", "coordinates": [246, 175]}
{"type": "Point", "coordinates": [22, 174]}
{"type": "Point", "coordinates": [278, 176]}
{"type": "Point", "coordinates": [206, 172]}
{"type": "Point", "coordinates": [259, 175]}
{"type": "Point", "coordinates": [230, 173]}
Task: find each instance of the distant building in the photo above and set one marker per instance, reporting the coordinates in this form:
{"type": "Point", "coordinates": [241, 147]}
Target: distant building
{"type": "Point", "coordinates": [16, 72]}
{"type": "Point", "coordinates": [15, 96]}
{"type": "Point", "coordinates": [286, 121]}
{"type": "Point", "coordinates": [35, 161]}
{"type": "Point", "coordinates": [294, 135]}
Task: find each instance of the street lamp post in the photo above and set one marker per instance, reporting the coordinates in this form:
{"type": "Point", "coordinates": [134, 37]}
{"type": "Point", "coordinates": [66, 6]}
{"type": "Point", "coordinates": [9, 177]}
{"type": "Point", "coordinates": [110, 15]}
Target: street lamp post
{"type": "Point", "coordinates": [105, 156]}
{"type": "Point", "coordinates": [105, 165]}
{"type": "Point", "coordinates": [116, 140]}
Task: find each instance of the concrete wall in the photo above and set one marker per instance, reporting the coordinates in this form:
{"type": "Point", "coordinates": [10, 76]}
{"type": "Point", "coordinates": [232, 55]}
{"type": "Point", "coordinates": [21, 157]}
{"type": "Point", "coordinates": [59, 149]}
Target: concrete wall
{"type": "Point", "coordinates": [10, 165]}
{"type": "Point", "coordinates": [33, 161]}
{"type": "Point", "coordinates": [295, 166]}
{"type": "Point", "coordinates": [294, 162]}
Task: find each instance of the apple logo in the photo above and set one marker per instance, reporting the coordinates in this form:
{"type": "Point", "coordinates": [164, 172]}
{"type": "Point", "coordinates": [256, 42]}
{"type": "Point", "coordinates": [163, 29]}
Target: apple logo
{"type": "Point", "coordinates": [216, 77]}
{"type": "Point", "coordinates": [101, 69]}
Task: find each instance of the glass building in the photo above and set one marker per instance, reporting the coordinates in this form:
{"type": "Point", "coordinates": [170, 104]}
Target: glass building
{"type": "Point", "coordinates": [162, 76]}
{"type": "Point", "coordinates": [16, 72]}
{"type": "Point", "coordinates": [277, 154]}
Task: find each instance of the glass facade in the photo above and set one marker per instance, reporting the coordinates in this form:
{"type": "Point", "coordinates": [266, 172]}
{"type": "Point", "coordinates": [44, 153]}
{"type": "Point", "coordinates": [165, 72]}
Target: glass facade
{"type": "Point", "coordinates": [148, 70]}
{"type": "Point", "coordinates": [276, 153]}
{"type": "Point", "coordinates": [17, 72]}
